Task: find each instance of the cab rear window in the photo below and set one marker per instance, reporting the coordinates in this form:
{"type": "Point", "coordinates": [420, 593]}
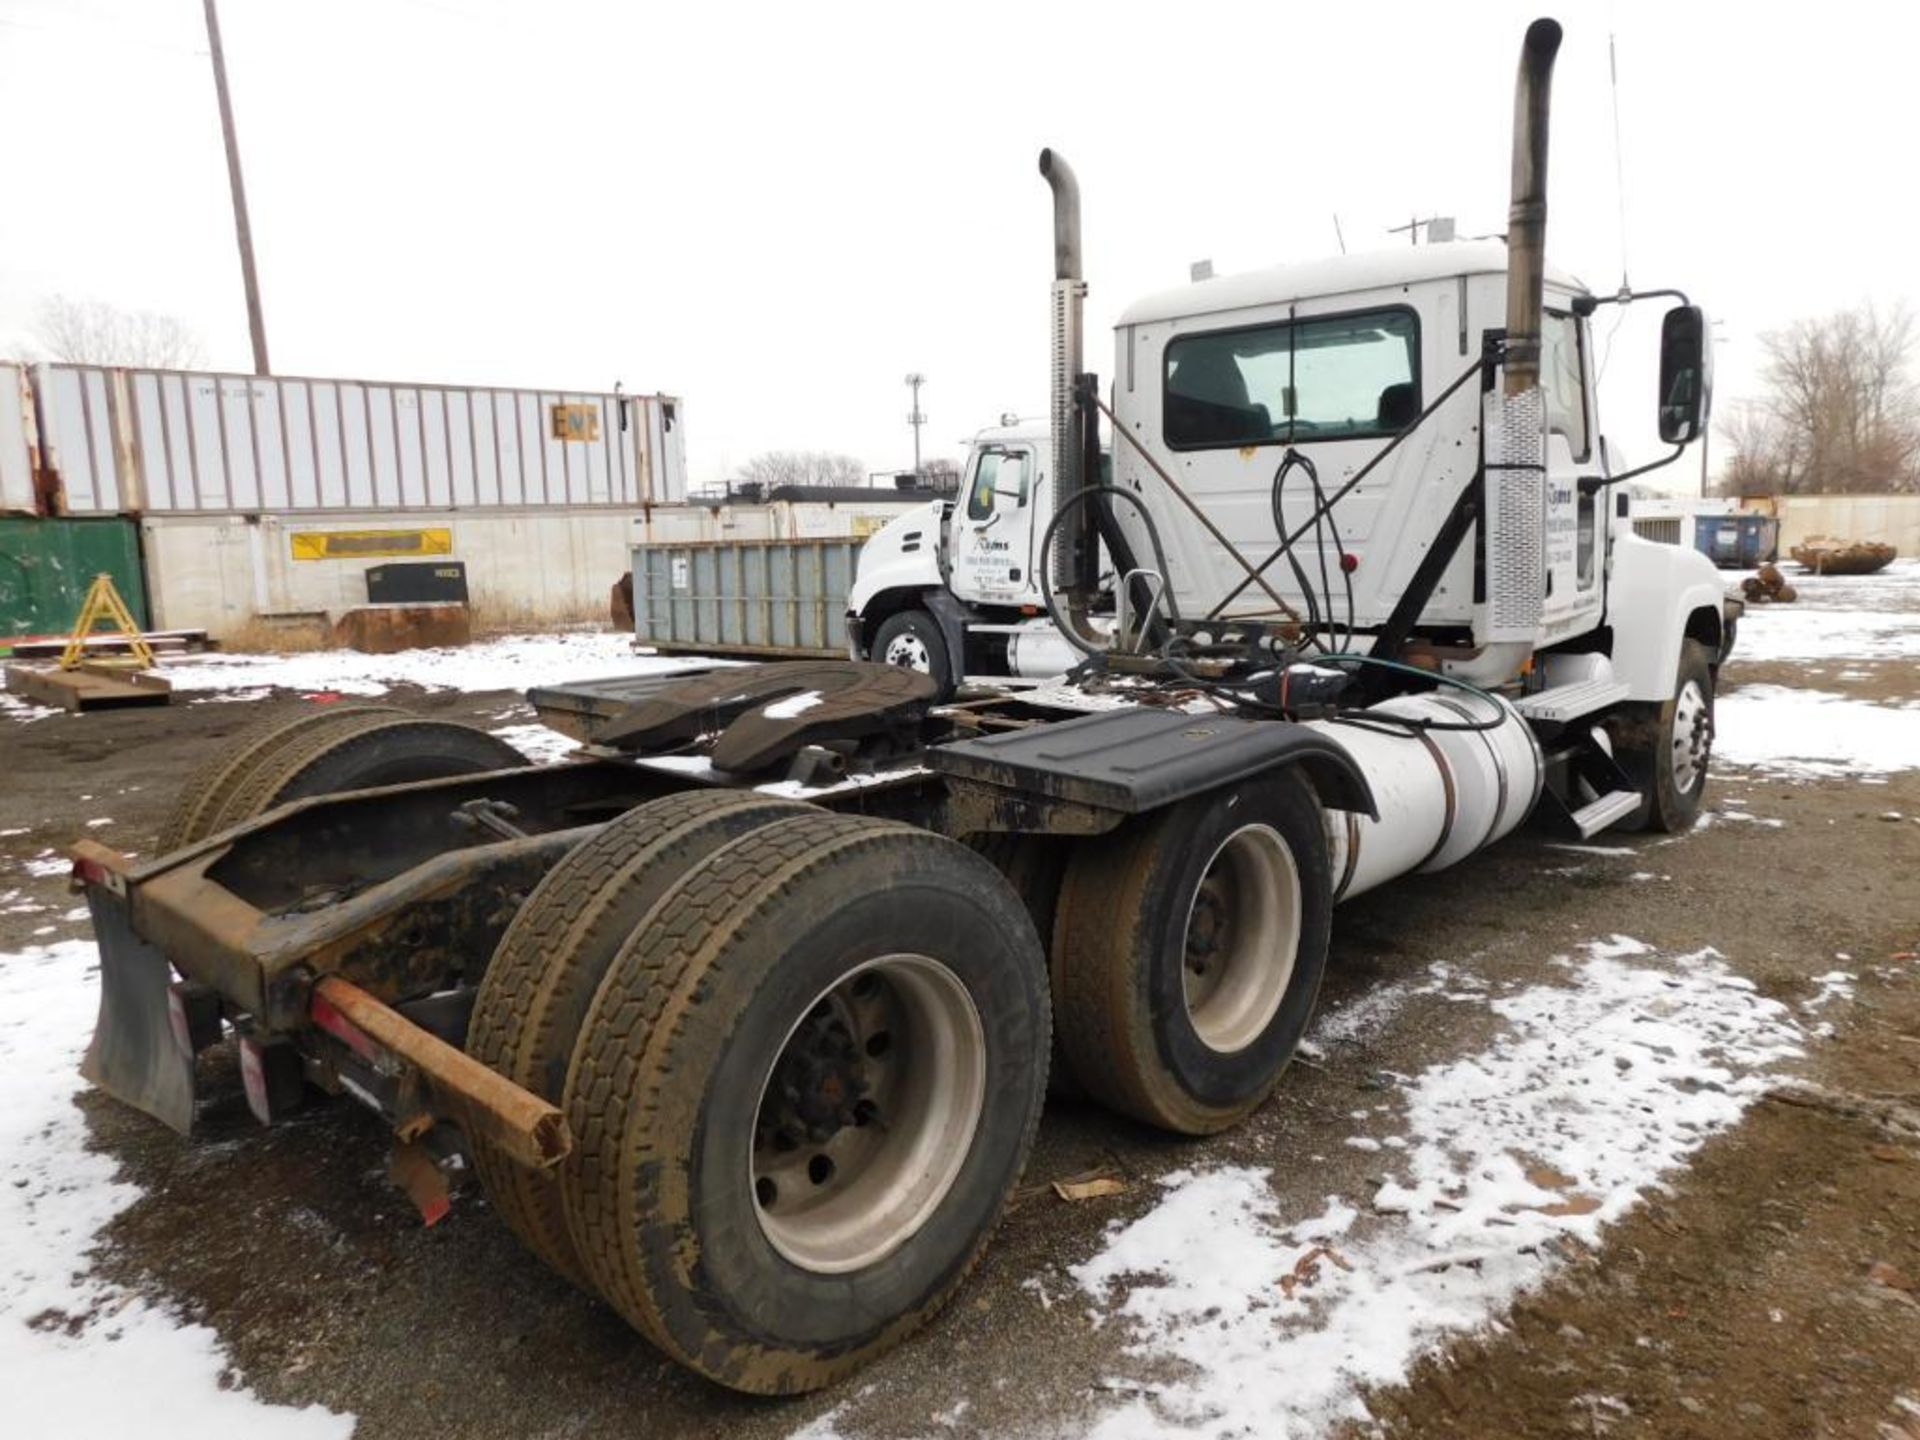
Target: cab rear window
{"type": "Point", "coordinates": [1339, 377]}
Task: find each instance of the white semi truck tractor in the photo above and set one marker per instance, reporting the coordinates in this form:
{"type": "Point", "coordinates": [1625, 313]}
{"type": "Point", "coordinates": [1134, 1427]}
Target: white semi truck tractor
{"type": "Point", "coordinates": [743, 1015]}
{"type": "Point", "coordinates": [954, 589]}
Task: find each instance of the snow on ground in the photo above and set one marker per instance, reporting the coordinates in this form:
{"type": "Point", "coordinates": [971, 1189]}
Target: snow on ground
{"type": "Point", "coordinates": [25, 711]}
{"type": "Point", "coordinates": [1813, 734]}
{"type": "Point", "coordinates": [79, 1356]}
{"type": "Point", "coordinates": [1271, 1324]}
{"type": "Point", "coordinates": [512, 662]}
{"type": "Point", "coordinates": [1853, 617]}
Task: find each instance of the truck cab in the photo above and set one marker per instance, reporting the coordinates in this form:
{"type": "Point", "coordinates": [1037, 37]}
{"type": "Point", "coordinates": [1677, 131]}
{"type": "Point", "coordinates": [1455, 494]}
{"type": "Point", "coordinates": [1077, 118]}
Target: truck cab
{"type": "Point", "coordinates": [954, 588]}
{"type": "Point", "coordinates": [1284, 402]}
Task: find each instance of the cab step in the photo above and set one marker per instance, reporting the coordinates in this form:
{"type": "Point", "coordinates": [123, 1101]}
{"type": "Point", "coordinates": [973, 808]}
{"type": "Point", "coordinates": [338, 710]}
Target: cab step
{"type": "Point", "coordinates": [1615, 805]}
{"type": "Point", "coordinates": [1564, 703]}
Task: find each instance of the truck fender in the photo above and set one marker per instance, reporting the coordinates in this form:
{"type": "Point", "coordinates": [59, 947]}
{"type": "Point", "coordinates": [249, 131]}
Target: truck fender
{"type": "Point", "coordinates": [952, 616]}
{"type": "Point", "coordinates": [1659, 596]}
{"type": "Point", "coordinates": [902, 555]}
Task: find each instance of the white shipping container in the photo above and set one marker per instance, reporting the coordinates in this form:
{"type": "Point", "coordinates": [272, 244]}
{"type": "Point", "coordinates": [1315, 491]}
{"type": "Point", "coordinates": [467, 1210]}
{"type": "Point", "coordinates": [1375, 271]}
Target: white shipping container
{"type": "Point", "coordinates": [178, 442]}
{"type": "Point", "coordinates": [854, 519]}
{"type": "Point", "coordinates": [16, 453]}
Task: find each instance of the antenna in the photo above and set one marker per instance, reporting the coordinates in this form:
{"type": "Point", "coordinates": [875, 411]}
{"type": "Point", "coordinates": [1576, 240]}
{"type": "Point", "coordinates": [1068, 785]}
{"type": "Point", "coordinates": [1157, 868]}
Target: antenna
{"type": "Point", "coordinates": [1338, 234]}
{"type": "Point", "coordinates": [914, 417]}
{"type": "Point", "coordinates": [1619, 163]}
{"type": "Point", "coordinates": [1431, 224]}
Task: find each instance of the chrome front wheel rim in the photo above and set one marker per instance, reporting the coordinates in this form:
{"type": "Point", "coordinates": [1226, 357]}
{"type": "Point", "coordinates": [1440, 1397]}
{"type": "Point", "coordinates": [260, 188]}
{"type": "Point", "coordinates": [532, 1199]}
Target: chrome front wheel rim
{"type": "Point", "coordinates": [1692, 742]}
{"type": "Point", "coordinates": [910, 652]}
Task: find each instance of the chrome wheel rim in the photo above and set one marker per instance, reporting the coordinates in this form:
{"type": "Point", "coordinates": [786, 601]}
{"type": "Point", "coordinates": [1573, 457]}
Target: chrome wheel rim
{"type": "Point", "coordinates": [1692, 742]}
{"type": "Point", "coordinates": [1242, 937]}
{"type": "Point", "coordinates": [868, 1113]}
{"type": "Point", "coordinates": [909, 651]}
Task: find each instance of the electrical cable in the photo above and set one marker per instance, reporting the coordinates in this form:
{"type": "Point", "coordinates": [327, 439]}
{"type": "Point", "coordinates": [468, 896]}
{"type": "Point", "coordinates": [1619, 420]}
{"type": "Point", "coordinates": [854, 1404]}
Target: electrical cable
{"type": "Point", "coordinates": [1044, 560]}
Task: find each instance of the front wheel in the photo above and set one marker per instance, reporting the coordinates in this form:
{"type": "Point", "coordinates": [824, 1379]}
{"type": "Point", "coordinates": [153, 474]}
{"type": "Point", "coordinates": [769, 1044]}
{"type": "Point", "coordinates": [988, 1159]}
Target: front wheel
{"type": "Point", "coordinates": [912, 640]}
{"type": "Point", "coordinates": [1665, 748]}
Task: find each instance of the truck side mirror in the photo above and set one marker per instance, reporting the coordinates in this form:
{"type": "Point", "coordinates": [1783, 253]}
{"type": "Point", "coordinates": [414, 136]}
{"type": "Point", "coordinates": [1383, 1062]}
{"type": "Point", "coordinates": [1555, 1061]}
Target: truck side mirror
{"type": "Point", "coordinates": [1686, 375]}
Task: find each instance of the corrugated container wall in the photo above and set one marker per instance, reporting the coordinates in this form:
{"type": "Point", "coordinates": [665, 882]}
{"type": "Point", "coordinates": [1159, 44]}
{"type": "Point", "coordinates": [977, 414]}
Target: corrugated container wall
{"type": "Point", "coordinates": [16, 443]}
{"type": "Point", "coordinates": [165, 442]}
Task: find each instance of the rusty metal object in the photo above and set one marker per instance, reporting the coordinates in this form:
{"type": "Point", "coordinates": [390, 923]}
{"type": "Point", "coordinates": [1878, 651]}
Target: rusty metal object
{"type": "Point", "coordinates": [87, 688]}
{"type": "Point", "coordinates": [1833, 557]}
{"type": "Point", "coordinates": [480, 1101]}
{"type": "Point", "coordinates": [385, 629]}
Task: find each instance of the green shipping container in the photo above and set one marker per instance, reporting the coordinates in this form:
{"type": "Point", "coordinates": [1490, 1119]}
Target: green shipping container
{"type": "Point", "coordinates": [47, 564]}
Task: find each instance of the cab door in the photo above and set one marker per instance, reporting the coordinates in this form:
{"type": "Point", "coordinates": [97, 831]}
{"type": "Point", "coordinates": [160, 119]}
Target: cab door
{"type": "Point", "coordinates": [1574, 541]}
{"type": "Point", "coordinates": [993, 531]}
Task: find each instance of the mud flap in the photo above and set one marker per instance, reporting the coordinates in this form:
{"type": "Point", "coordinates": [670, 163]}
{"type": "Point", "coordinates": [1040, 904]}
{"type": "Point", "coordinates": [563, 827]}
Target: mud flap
{"type": "Point", "coordinates": [135, 1055]}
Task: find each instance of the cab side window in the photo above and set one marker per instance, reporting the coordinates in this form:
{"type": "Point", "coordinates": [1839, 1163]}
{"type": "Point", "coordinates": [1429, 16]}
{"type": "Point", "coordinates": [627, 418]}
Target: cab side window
{"type": "Point", "coordinates": [1563, 375]}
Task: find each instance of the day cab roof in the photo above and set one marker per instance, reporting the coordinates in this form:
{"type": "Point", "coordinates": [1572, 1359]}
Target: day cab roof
{"type": "Point", "coordinates": [1329, 276]}
{"type": "Point", "coordinates": [1034, 432]}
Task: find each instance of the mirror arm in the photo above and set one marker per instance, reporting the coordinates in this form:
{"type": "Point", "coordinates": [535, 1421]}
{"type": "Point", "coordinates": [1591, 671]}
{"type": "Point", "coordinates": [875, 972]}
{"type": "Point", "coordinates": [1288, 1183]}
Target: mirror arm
{"type": "Point", "coordinates": [1589, 484]}
{"type": "Point", "coordinates": [1584, 305]}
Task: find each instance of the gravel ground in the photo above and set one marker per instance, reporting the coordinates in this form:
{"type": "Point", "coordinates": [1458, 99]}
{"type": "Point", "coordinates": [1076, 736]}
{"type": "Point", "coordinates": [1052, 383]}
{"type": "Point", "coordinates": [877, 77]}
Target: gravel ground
{"type": "Point", "coordinates": [1741, 1299]}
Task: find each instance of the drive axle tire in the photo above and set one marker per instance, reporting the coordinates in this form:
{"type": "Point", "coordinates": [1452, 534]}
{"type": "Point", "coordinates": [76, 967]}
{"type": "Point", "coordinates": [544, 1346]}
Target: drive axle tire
{"type": "Point", "coordinates": [391, 751]}
{"type": "Point", "coordinates": [1665, 749]}
{"type": "Point", "coordinates": [204, 797]}
{"type": "Point", "coordinates": [1189, 950]}
{"type": "Point", "coordinates": [545, 971]}
{"type": "Point", "coordinates": [1033, 865]}
{"type": "Point", "coordinates": [805, 1093]}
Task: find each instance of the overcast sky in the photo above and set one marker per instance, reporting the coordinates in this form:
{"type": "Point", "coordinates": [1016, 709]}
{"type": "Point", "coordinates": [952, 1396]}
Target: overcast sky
{"type": "Point", "coordinates": [776, 212]}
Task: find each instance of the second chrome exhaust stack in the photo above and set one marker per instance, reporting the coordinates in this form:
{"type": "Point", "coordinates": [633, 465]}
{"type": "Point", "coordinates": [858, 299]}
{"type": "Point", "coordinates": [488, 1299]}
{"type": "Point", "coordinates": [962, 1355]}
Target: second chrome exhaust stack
{"type": "Point", "coordinates": [1515, 415]}
{"type": "Point", "coordinates": [1075, 557]}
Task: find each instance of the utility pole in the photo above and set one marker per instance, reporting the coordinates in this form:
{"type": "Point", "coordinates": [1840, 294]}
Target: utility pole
{"type": "Point", "coordinates": [914, 417]}
{"type": "Point", "coordinates": [242, 229]}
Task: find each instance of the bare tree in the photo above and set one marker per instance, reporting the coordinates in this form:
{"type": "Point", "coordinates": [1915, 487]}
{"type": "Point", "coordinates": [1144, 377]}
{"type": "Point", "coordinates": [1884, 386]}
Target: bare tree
{"type": "Point", "coordinates": [1841, 413]}
{"type": "Point", "coordinates": [803, 467]}
{"type": "Point", "coordinates": [92, 332]}
{"type": "Point", "coordinates": [940, 473]}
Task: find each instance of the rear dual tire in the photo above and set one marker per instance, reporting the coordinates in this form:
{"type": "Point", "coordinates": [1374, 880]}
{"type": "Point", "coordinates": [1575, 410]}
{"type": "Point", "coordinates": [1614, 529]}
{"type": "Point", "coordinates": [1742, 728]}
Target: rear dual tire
{"type": "Point", "coordinates": [323, 752]}
{"type": "Point", "coordinates": [802, 1093]}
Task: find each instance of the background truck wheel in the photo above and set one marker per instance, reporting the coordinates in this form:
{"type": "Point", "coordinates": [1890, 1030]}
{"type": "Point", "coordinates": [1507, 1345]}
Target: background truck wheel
{"type": "Point", "coordinates": [534, 997]}
{"type": "Point", "coordinates": [1664, 749]}
{"type": "Point", "coordinates": [205, 795]}
{"type": "Point", "coordinates": [388, 751]}
{"type": "Point", "coordinates": [912, 640]}
{"type": "Point", "coordinates": [1189, 950]}
{"type": "Point", "coordinates": [805, 1093]}
{"type": "Point", "coordinates": [1033, 865]}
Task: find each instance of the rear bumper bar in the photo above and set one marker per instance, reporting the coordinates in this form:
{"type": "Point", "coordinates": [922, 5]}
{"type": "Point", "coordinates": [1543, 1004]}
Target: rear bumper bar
{"type": "Point", "coordinates": [141, 1056]}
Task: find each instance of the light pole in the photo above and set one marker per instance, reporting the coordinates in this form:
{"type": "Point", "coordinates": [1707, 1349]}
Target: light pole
{"type": "Point", "coordinates": [914, 416]}
{"type": "Point", "coordinates": [242, 228]}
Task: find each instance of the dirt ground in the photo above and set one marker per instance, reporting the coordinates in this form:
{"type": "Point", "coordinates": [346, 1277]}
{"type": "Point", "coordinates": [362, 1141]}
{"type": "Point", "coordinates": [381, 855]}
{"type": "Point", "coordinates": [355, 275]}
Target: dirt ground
{"type": "Point", "coordinates": [1767, 1292]}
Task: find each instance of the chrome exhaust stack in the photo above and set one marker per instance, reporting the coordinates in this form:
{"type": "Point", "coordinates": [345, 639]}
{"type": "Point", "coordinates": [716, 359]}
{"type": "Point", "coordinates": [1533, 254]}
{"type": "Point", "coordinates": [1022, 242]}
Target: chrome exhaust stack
{"type": "Point", "coordinates": [1076, 556]}
{"type": "Point", "coordinates": [1515, 416]}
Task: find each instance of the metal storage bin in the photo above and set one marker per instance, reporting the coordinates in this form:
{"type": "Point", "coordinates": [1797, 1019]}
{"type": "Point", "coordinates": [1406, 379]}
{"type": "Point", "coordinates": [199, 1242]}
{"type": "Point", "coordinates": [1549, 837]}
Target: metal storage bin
{"type": "Point", "coordinates": [747, 597]}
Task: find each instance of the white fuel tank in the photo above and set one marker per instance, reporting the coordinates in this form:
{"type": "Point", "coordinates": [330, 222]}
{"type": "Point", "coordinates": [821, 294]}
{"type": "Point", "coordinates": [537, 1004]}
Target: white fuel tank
{"type": "Point", "coordinates": [1442, 794]}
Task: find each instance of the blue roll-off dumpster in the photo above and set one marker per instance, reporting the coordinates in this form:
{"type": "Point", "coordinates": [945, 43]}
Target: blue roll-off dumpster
{"type": "Point", "coordinates": [1737, 542]}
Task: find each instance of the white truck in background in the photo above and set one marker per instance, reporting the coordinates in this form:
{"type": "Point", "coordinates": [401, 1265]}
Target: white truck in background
{"type": "Point", "coordinates": [953, 588]}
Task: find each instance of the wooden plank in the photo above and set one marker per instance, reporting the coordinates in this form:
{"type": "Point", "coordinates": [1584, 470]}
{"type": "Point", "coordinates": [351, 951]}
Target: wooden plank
{"type": "Point", "coordinates": [167, 642]}
{"type": "Point", "coordinates": [79, 690]}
